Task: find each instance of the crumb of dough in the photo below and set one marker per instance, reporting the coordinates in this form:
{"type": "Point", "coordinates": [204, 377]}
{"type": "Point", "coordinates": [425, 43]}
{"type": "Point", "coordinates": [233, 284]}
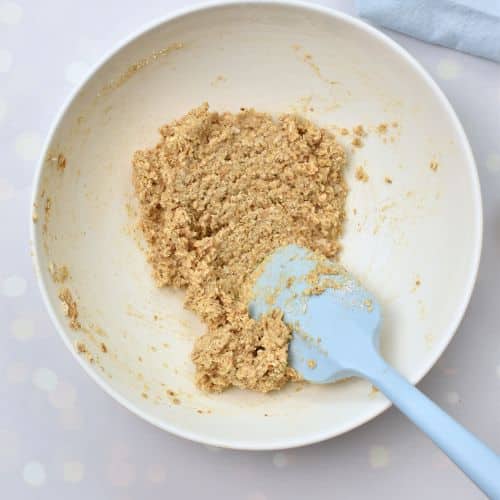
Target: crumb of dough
{"type": "Point", "coordinates": [320, 278]}
{"type": "Point", "coordinates": [82, 349]}
{"type": "Point", "coordinates": [61, 161]}
{"type": "Point", "coordinates": [70, 308]}
{"type": "Point", "coordinates": [357, 142]}
{"type": "Point", "coordinates": [173, 397]}
{"type": "Point", "coordinates": [100, 331]}
{"type": "Point", "coordinates": [218, 194]}
{"type": "Point", "coordinates": [387, 180]}
{"type": "Point", "coordinates": [48, 206]}
{"type": "Point", "coordinates": [203, 412]}
{"type": "Point", "coordinates": [434, 165]}
{"type": "Point", "coordinates": [344, 131]}
{"type": "Point", "coordinates": [382, 128]}
{"type": "Point", "coordinates": [218, 79]}
{"type": "Point", "coordinates": [104, 347]}
{"type": "Point", "coordinates": [58, 274]}
{"type": "Point", "coordinates": [221, 78]}
{"type": "Point", "coordinates": [311, 364]}
{"type": "Point", "coordinates": [361, 174]}
{"type": "Point", "coordinates": [359, 130]}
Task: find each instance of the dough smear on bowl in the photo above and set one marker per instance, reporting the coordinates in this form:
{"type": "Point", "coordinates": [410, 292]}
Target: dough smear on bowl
{"type": "Point", "coordinates": [217, 194]}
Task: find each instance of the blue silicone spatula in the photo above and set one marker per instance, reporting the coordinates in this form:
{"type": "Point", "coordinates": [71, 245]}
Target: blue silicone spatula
{"type": "Point", "coordinates": [335, 324]}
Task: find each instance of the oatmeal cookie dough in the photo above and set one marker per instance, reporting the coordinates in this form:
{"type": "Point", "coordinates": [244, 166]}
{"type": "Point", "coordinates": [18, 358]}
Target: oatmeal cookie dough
{"type": "Point", "coordinates": [220, 192]}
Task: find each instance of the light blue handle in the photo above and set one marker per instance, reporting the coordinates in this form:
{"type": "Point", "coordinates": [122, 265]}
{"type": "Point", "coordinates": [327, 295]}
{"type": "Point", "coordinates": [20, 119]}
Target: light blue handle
{"type": "Point", "coordinates": [338, 329]}
{"type": "Point", "coordinates": [478, 461]}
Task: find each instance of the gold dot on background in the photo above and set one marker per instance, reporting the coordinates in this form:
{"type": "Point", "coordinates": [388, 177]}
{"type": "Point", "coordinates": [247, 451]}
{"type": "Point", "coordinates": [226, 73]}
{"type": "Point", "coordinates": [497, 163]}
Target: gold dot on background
{"type": "Point", "coordinates": [63, 397]}
{"type": "Point", "coordinates": [34, 474]}
{"type": "Point", "coordinates": [121, 473]}
{"type": "Point", "coordinates": [379, 457]}
{"type": "Point", "coordinates": [5, 61]}
{"type": "Point", "coordinates": [22, 328]}
{"type": "Point", "coordinates": [10, 13]}
{"type": "Point", "coordinates": [493, 162]}
{"type": "Point", "coordinates": [13, 286]}
{"type": "Point", "coordinates": [71, 419]}
{"type": "Point", "coordinates": [280, 460]}
{"type": "Point", "coordinates": [448, 69]}
{"type": "Point", "coordinates": [45, 380]}
{"type": "Point", "coordinates": [16, 373]}
{"type": "Point", "coordinates": [28, 145]}
{"type": "Point", "coordinates": [156, 473]}
{"type": "Point", "coordinates": [73, 472]}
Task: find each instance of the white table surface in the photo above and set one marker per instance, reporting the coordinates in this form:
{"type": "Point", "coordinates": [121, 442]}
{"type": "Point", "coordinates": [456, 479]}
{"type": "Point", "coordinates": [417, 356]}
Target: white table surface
{"type": "Point", "coordinates": [61, 437]}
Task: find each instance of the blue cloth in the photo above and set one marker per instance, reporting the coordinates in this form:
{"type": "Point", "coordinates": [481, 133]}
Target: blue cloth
{"type": "Point", "coordinates": [471, 26]}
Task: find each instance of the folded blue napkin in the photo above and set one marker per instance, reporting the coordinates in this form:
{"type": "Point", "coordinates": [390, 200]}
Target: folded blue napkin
{"type": "Point", "coordinates": [471, 26]}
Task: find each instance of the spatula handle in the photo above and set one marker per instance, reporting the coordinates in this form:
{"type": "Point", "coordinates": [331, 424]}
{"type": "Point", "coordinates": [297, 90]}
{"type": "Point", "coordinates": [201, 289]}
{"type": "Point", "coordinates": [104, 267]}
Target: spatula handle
{"type": "Point", "coordinates": [478, 461]}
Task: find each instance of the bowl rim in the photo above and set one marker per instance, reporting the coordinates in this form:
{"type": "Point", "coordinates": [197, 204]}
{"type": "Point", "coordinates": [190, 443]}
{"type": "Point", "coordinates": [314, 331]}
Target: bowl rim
{"type": "Point", "coordinates": [312, 437]}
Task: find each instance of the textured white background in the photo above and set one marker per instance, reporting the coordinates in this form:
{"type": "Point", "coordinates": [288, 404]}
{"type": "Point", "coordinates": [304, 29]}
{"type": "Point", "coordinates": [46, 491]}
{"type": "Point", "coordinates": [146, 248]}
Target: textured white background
{"type": "Point", "coordinates": [62, 437]}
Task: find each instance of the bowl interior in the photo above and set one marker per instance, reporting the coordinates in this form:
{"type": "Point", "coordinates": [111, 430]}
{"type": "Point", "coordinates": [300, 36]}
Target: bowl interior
{"type": "Point", "coordinates": [414, 242]}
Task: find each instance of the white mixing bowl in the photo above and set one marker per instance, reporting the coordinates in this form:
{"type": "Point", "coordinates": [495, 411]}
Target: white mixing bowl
{"type": "Point", "coordinates": [415, 242]}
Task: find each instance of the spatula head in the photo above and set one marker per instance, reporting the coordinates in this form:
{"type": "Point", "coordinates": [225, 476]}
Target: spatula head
{"type": "Point", "coordinates": [334, 320]}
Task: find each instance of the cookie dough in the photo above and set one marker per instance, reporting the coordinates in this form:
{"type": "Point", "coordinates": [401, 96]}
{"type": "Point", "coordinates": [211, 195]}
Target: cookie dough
{"type": "Point", "coordinates": [219, 193]}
